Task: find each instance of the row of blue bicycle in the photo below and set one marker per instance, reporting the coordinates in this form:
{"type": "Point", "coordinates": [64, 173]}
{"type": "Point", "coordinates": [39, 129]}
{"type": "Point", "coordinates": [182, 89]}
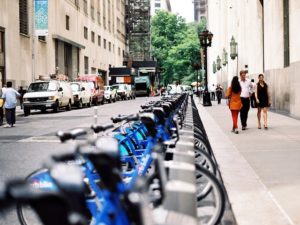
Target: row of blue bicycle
{"type": "Point", "coordinates": [112, 176]}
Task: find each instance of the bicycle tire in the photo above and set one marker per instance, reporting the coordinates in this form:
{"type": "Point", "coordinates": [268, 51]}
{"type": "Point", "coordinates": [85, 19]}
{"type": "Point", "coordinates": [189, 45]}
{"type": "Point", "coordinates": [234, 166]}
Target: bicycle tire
{"type": "Point", "coordinates": [20, 208]}
{"type": "Point", "coordinates": [206, 161]}
{"type": "Point", "coordinates": [219, 195]}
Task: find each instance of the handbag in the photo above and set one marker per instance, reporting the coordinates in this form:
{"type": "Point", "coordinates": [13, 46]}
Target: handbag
{"type": "Point", "coordinates": [1, 102]}
{"type": "Point", "coordinates": [228, 101]}
{"type": "Point", "coordinates": [253, 101]}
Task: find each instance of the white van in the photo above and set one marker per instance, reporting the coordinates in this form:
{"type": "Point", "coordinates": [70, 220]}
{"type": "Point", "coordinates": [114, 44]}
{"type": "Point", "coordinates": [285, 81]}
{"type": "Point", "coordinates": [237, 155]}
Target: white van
{"type": "Point", "coordinates": [82, 94]}
{"type": "Point", "coordinates": [45, 95]}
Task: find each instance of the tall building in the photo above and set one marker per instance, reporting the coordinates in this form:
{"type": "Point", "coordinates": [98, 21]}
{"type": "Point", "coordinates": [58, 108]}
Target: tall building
{"type": "Point", "coordinates": [267, 42]}
{"type": "Point", "coordinates": [138, 29]}
{"type": "Point", "coordinates": [157, 5]}
{"type": "Point", "coordinates": [200, 9]}
{"type": "Point", "coordinates": [84, 37]}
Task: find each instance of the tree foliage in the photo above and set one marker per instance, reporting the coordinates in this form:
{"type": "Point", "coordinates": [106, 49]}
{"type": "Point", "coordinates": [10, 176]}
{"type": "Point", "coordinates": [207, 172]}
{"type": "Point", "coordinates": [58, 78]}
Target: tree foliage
{"type": "Point", "coordinates": [174, 45]}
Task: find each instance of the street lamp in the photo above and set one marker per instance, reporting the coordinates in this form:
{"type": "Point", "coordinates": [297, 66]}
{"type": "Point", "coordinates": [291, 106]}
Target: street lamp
{"type": "Point", "coordinates": [218, 63]}
{"type": "Point", "coordinates": [224, 57]}
{"type": "Point", "coordinates": [205, 39]}
{"type": "Point", "coordinates": [234, 52]}
{"type": "Point", "coordinates": [233, 48]}
{"type": "Point", "coordinates": [214, 67]}
{"type": "Point", "coordinates": [196, 66]}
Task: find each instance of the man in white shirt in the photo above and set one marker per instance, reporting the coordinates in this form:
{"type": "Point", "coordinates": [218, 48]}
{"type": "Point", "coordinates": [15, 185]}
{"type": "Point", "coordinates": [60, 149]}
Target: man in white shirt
{"type": "Point", "coordinates": [10, 96]}
{"type": "Point", "coordinates": [245, 97]}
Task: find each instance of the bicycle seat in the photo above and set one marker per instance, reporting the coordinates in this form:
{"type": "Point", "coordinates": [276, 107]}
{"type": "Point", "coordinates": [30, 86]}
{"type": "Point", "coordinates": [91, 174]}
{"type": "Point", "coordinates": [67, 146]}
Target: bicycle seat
{"type": "Point", "coordinates": [160, 115]}
{"type": "Point", "coordinates": [148, 119]}
{"type": "Point", "coordinates": [68, 178]}
{"type": "Point", "coordinates": [106, 159]}
{"type": "Point", "coordinates": [167, 109]}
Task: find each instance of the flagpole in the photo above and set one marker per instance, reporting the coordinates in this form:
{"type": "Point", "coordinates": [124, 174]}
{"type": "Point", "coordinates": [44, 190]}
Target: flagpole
{"type": "Point", "coordinates": [33, 41]}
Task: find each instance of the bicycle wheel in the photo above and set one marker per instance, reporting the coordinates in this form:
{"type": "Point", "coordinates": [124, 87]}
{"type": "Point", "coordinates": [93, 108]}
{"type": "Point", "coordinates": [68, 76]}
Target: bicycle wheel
{"type": "Point", "coordinates": [204, 159]}
{"type": "Point", "coordinates": [212, 211]}
{"type": "Point", "coordinates": [39, 179]}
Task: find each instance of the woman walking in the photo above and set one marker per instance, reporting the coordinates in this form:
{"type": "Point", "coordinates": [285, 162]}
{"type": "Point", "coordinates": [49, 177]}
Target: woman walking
{"type": "Point", "coordinates": [262, 96]}
{"type": "Point", "coordinates": [235, 103]}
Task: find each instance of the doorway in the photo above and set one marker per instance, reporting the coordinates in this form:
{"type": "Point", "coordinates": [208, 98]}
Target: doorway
{"type": "Point", "coordinates": [2, 57]}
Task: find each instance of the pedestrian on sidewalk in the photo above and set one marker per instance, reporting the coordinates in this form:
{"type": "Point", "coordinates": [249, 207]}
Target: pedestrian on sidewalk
{"type": "Point", "coordinates": [262, 95]}
{"type": "Point", "coordinates": [235, 104]}
{"type": "Point", "coordinates": [1, 107]}
{"type": "Point", "coordinates": [10, 102]}
{"type": "Point", "coordinates": [21, 92]}
{"type": "Point", "coordinates": [245, 97]}
{"type": "Point", "coordinates": [219, 91]}
{"type": "Point", "coordinates": [213, 92]}
{"type": "Point", "coordinates": [252, 95]}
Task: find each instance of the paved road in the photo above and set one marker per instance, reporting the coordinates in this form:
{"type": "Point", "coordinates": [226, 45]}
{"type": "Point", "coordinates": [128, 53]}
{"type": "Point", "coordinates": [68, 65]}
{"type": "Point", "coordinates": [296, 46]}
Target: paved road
{"type": "Point", "coordinates": [25, 147]}
{"type": "Point", "coordinates": [273, 157]}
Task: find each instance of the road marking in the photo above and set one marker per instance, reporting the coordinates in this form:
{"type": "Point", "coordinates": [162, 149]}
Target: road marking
{"type": "Point", "coordinates": [41, 139]}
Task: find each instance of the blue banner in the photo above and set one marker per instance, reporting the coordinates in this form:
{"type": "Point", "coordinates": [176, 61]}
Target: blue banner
{"type": "Point", "coordinates": [41, 17]}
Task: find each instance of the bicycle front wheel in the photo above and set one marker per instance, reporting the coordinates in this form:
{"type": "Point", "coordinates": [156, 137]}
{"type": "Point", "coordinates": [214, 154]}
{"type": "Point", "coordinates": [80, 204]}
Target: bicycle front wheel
{"type": "Point", "coordinates": [39, 179]}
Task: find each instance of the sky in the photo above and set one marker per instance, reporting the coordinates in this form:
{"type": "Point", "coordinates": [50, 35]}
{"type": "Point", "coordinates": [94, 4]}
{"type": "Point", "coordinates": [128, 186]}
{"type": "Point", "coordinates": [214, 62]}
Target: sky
{"type": "Point", "coordinates": [184, 8]}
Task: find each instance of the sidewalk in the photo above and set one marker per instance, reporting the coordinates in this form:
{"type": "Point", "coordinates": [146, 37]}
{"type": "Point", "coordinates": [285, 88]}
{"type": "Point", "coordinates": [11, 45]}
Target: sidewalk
{"type": "Point", "coordinates": [260, 168]}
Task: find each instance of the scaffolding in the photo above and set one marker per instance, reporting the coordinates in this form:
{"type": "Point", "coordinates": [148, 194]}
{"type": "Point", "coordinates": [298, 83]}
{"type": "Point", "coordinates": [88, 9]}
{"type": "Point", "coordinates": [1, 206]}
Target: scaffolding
{"type": "Point", "coordinates": [138, 29]}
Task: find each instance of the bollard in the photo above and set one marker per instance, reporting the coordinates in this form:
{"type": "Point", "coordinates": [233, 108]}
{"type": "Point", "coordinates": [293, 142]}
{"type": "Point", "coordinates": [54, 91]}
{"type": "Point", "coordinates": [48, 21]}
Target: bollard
{"type": "Point", "coordinates": [181, 171]}
{"type": "Point", "coordinates": [181, 197]}
{"type": "Point", "coordinates": [95, 114]}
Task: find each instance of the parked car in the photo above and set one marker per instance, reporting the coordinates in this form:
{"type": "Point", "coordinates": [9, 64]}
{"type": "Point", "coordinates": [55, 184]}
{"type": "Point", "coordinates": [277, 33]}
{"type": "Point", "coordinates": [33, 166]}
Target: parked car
{"type": "Point", "coordinates": [82, 94]}
{"type": "Point", "coordinates": [173, 89]}
{"type": "Point", "coordinates": [122, 91]}
{"type": "Point", "coordinates": [110, 94]}
{"type": "Point", "coordinates": [131, 90]}
{"type": "Point", "coordinates": [45, 95]}
{"type": "Point", "coordinates": [96, 85]}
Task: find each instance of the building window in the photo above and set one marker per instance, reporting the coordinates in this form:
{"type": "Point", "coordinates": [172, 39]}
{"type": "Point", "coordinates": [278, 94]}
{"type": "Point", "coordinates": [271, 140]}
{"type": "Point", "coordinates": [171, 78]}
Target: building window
{"type": "Point", "coordinates": [157, 5]}
{"type": "Point", "coordinates": [104, 43]}
{"type": "Point", "coordinates": [1, 41]}
{"type": "Point", "coordinates": [23, 16]}
{"type": "Point", "coordinates": [77, 3]}
{"type": "Point", "coordinates": [119, 51]}
{"type": "Point", "coordinates": [286, 33]}
{"type": "Point", "coordinates": [109, 46]}
{"type": "Point", "coordinates": [85, 6]}
{"type": "Point", "coordinates": [86, 64]}
{"type": "Point", "coordinates": [92, 12]}
{"type": "Point", "coordinates": [104, 14]}
{"type": "Point", "coordinates": [67, 22]}
{"type": "Point", "coordinates": [93, 36]}
{"type": "Point", "coordinates": [42, 38]}
{"type": "Point", "coordinates": [85, 32]}
{"type": "Point", "coordinates": [98, 17]}
{"type": "Point", "coordinates": [99, 40]}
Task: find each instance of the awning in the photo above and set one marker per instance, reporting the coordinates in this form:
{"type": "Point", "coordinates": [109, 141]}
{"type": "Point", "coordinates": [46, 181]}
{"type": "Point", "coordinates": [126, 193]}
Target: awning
{"type": "Point", "coordinates": [63, 39]}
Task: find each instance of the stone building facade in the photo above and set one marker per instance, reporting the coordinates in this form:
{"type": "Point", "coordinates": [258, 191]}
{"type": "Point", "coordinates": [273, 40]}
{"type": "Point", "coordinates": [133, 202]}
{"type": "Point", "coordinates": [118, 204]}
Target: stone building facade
{"type": "Point", "coordinates": [160, 5]}
{"type": "Point", "coordinates": [85, 37]}
{"type": "Point", "coordinates": [200, 9]}
{"type": "Point", "coordinates": [268, 42]}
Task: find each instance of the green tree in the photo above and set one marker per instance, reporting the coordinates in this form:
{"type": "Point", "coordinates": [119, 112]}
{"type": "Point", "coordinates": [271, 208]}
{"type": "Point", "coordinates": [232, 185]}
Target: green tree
{"type": "Point", "coordinates": [174, 44]}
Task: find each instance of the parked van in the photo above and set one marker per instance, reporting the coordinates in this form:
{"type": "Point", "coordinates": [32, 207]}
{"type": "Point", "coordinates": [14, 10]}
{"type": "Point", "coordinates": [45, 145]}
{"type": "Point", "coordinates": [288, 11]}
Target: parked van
{"type": "Point", "coordinates": [122, 91]}
{"type": "Point", "coordinates": [110, 94]}
{"type": "Point", "coordinates": [51, 94]}
{"type": "Point", "coordinates": [96, 85]}
{"type": "Point", "coordinates": [82, 94]}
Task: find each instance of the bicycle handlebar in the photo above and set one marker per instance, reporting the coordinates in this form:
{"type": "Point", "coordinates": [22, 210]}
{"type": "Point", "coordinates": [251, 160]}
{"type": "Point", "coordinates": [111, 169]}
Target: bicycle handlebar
{"type": "Point", "coordinates": [100, 128]}
{"type": "Point", "coordinates": [118, 119]}
{"type": "Point", "coordinates": [68, 135]}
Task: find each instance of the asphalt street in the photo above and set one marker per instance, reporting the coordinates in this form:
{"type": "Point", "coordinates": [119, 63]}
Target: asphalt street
{"type": "Point", "coordinates": [25, 147]}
